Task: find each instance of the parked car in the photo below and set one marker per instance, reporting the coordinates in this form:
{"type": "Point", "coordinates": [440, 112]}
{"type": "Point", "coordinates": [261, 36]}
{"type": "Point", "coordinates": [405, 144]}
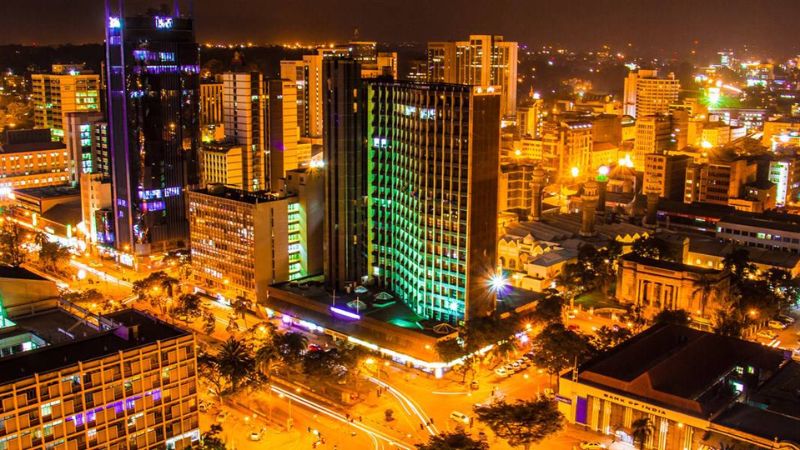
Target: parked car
{"type": "Point", "coordinates": [204, 406]}
{"type": "Point", "coordinates": [255, 436]}
{"type": "Point", "coordinates": [459, 417]}
{"type": "Point", "coordinates": [222, 416]}
{"type": "Point", "coordinates": [786, 319]}
{"type": "Point", "coordinates": [592, 445]}
{"type": "Point", "coordinates": [767, 334]}
{"type": "Point", "coordinates": [474, 385]}
{"type": "Point", "coordinates": [501, 372]}
{"type": "Point", "coordinates": [776, 324]}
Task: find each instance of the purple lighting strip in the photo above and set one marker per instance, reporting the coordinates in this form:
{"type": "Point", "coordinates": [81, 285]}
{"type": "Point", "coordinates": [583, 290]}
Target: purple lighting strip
{"type": "Point", "coordinates": [345, 313]}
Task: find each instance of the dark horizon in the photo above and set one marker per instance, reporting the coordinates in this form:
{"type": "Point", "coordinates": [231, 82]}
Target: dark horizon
{"type": "Point", "coordinates": [674, 27]}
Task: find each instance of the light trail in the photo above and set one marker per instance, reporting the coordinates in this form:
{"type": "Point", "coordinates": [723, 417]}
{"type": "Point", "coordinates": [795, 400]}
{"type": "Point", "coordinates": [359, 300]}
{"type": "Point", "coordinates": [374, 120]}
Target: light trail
{"type": "Point", "coordinates": [412, 404]}
{"type": "Point", "coordinates": [103, 275]}
{"type": "Point", "coordinates": [341, 418]}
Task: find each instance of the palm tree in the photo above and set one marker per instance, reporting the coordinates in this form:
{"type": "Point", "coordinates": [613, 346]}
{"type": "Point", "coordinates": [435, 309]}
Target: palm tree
{"type": "Point", "coordinates": [738, 264]}
{"type": "Point", "coordinates": [241, 306]}
{"type": "Point", "coordinates": [503, 349]}
{"type": "Point", "coordinates": [642, 430]}
{"type": "Point", "coordinates": [705, 286]}
{"type": "Point", "coordinates": [235, 362]}
{"type": "Point", "coordinates": [290, 346]}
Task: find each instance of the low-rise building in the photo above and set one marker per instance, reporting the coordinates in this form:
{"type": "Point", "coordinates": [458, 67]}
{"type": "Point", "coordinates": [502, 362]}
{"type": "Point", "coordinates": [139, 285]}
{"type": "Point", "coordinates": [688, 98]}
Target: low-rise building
{"type": "Point", "coordinates": [656, 285]}
{"type": "Point", "coordinates": [33, 160]}
{"type": "Point", "coordinates": [699, 391]}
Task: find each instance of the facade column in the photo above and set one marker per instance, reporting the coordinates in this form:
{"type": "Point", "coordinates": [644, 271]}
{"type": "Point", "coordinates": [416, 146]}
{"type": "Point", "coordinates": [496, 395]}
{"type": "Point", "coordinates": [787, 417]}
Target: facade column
{"type": "Point", "coordinates": [594, 415]}
{"type": "Point", "coordinates": [662, 430]}
{"type": "Point", "coordinates": [607, 405]}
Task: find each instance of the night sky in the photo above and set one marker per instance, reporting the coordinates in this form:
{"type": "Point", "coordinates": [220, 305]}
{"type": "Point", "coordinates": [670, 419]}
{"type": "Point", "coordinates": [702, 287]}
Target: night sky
{"type": "Point", "coordinates": [769, 25]}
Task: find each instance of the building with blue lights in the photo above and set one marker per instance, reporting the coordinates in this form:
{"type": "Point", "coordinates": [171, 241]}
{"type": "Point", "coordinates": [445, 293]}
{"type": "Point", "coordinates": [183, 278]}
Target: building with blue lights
{"type": "Point", "coordinates": [153, 115]}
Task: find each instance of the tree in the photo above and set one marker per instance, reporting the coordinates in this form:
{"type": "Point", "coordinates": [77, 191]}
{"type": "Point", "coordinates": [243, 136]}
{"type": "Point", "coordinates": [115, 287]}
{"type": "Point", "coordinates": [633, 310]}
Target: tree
{"type": "Point", "coordinates": [673, 316]}
{"type": "Point", "coordinates": [52, 255]}
{"type": "Point", "coordinates": [235, 363]}
{"type": "Point", "coordinates": [783, 287]}
{"type": "Point", "coordinates": [458, 440]}
{"type": "Point", "coordinates": [642, 429]}
{"type": "Point", "coordinates": [557, 348]}
{"type": "Point", "coordinates": [652, 247]}
{"type": "Point", "coordinates": [729, 323]}
{"type": "Point", "coordinates": [522, 423]}
{"type": "Point", "coordinates": [241, 306]}
{"type": "Point", "coordinates": [705, 286]}
{"type": "Point", "coordinates": [268, 359]}
{"type": "Point", "coordinates": [505, 348]}
{"type": "Point", "coordinates": [291, 347]}
{"type": "Point", "coordinates": [189, 305]}
{"type": "Point", "coordinates": [11, 243]}
{"type": "Point", "coordinates": [737, 262]}
{"type": "Point", "coordinates": [452, 349]}
{"type": "Point", "coordinates": [548, 309]}
{"type": "Point", "coordinates": [209, 322]}
{"type": "Point", "coordinates": [210, 440]}
{"type": "Point", "coordinates": [607, 337]}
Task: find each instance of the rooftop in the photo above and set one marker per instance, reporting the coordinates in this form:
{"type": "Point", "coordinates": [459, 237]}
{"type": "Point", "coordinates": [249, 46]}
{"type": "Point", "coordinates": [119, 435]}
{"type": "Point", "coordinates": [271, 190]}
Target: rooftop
{"type": "Point", "coordinates": [678, 367]}
{"type": "Point", "coordinates": [714, 247]}
{"type": "Point", "coordinates": [19, 273]}
{"type": "Point", "coordinates": [667, 265]}
{"type": "Point", "coordinates": [50, 191]}
{"type": "Point", "coordinates": [235, 194]}
{"type": "Point", "coordinates": [93, 346]}
{"type": "Point", "coordinates": [31, 147]}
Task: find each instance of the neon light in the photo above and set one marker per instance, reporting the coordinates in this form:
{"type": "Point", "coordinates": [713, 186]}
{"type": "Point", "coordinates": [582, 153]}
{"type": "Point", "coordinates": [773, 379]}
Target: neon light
{"type": "Point", "coordinates": [114, 22]}
{"type": "Point", "coordinates": [345, 313]}
{"type": "Point", "coordinates": [163, 22]}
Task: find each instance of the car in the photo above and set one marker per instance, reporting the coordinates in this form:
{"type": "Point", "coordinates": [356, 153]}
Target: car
{"type": "Point", "coordinates": [204, 406]}
{"type": "Point", "coordinates": [529, 354]}
{"type": "Point", "coordinates": [796, 354]}
{"type": "Point", "coordinates": [474, 385]}
{"type": "Point", "coordinates": [786, 319]}
{"type": "Point", "coordinates": [314, 348]}
{"type": "Point", "coordinates": [510, 368]}
{"type": "Point", "coordinates": [516, 365]}
{"type": "Point", "coordinates": [95, 264]}
{"type": "Point", "coordinates": [222, 416]}
{"type": "Point", "coordinates": [547, 392]}
{"type": "Point", "coordinates": [592, 445]}
{"type": "Point", "coordinates": [573, 327]}
{"type": "Point", "coordinates": [525, 357]}
{"type": "Point", "coordinates": [767, 334]}
{"type": "Point", "coordinates": [776, 324]}
{"type": "Point", "coordinates": [459, 417]}
{"type": "Point", "coordinates": [571, 315]}
{"type": "Point", "coordinates": [255, 436]}
{"type": "Point", "coordinates": [501, 372]}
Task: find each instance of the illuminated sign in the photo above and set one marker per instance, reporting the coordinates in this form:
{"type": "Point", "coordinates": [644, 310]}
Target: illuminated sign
{"type": "Point", "coordinates": [163, 22]}
{"type": "Point", "coordinates": [345, 313]}
{"type": "Point", "coordinates": [114, 22]}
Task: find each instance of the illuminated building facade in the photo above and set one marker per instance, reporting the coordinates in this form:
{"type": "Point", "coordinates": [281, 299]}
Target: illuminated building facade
{"type": "Point", "coordinates": [653, 135]}
{"type": "Point", "coordinates": [665, 175]}
{"type": "Point", "coordinates": [222, 164]}
{"type": "Point", "coordinates": [281, 131]}
{"type": "Point", "coordinates": [646, 94]}
{"type": "Point", "coordinates": [433, 152]}
{"type": "Point", "coordinates": [32, 160]}
{"type": "Point", "coordinates": [483, 60]}
{"type": "Point", "coordinates": [567, 147]}
{"type": "Point", "coordinates": [718, 181]}
{"type": "Point", "coordinates": [211, 103]}
{"type": "Point", "coordinates": [785, 174]}
{"type": "Point", "coordinates": [307, 74]}
{"type": "Point", "coordinates": [242, 242]}
{"type": "Point", "coordinates": [95, 195]}
{"type": "Point", "coordinates": [78, 136]}
{"type": "Point", "coordinates": [244, 105]}
{"type": "Point", "coordinates": [153, 96]}
{"type": "Point", "coordinates": [56, 94]}
{"type": "Point", "coordinates": [131, 385]}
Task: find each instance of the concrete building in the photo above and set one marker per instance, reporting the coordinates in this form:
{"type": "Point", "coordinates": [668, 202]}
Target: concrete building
{"type": "Point", "coordinates": [566, 147]}
{"type": "Point", "coordinates": [307, 185]}
{"type": "Point", "coordinates": [123, 380]}
{"type": "Point", "coordinates": [514, 187]}
{"type": "Point", "coordinates": [483, 60]}
{"type": "Point", "coordinates": [785, 174]}
{"type": "Point", "coordinates": [781, 131]}
{"type": "Point", "coordinates": [657, 285]}
{"type": "Point", "coordinates": [241, 241]}
{"type": "Point", "coordinates": [665, 175]}
{"type": "Point", "coordinates": [530, 118]}
{"type": "Point", "coordinates": [645, 94]}
{"type": "Point", "coordinates": [244, 106]}
{"type": "Point", "coordinates": [282, 132]}
{"type": "Point", "coordinates": [95, 195]}
{"type": "Point", "coordinates": [718, 181]}
{"type": "Point", "coordinates": [440, 264]}
{"type": "Point", "coordinates": [771, 232]}
{"type": "Point", "coordinates": [55, 94]}
{"type": "Point", "coordinates": [699, 390]}
{"type": "Point", "coordinates": [653, 135]}
{"type": "Point", "coordinates": [32, 159]}
{"type": "Point", "coordinates": [307, 75]}
{"type": "Point", "coordinates": [222, 164]}
{"type": "Point", "coordinates": [211, 100]}
{"type": "Point", "coordinates": [78, 137]}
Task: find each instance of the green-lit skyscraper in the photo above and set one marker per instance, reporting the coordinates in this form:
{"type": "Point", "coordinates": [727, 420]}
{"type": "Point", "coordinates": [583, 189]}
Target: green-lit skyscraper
{"type": "Point", "coordinates": [432, 155]}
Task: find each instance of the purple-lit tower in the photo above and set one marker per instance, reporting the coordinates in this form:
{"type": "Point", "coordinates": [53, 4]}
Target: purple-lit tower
{"type": "Point", "coordinates": [152, 63]}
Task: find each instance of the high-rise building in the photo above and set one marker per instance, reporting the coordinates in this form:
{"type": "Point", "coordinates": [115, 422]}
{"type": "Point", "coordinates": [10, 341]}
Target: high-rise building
{"type": "Point", "coordinates": [785, 174]}
{"type": "Point", "coordinates": [665, 175]}
{"type": "Point", "coordinates": [95, 195]}
{"type": "Point", "coordinates": [307, 74]}
{"type": "Point", "coordinates": [211, 103]}
{"type": "Point", "coordinates": [483, 60]}
{"type": "Point", "coordinates": [653, 135]}
{"type": "Point", "coordinates": [101, 158]}
{"type": "Point", "coordinates": [78, 138]}
{"type": "Point", "coordinates": [647, 94]}
{"type": "Point", "coordinates": [244, 106]}
{"type": "Point", "coordinates": [530, 118]}
{"type": "Point", "coordinates": [63, 91]}
{"type": "Point", "coordinates": [345, 160]}
{"type": "Point", "coordinates": [718, 181]}
{"type": "Point", "coordinates": [153, 96]}
{"type": "Point", "coordinates": [433, 159]}
{"type": "Point", "coordinates": [282, 131]}
{"type": "Point", "coordinates": [121, 380]}
{"type": "Point", "coordinates": [307, 185]}
{"type": "Point", "coordinates": [222, 164]}
{"type": "Point", "coordinates": [567, 147]}
{"type": "Point", "coordinates": [241, 241]}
